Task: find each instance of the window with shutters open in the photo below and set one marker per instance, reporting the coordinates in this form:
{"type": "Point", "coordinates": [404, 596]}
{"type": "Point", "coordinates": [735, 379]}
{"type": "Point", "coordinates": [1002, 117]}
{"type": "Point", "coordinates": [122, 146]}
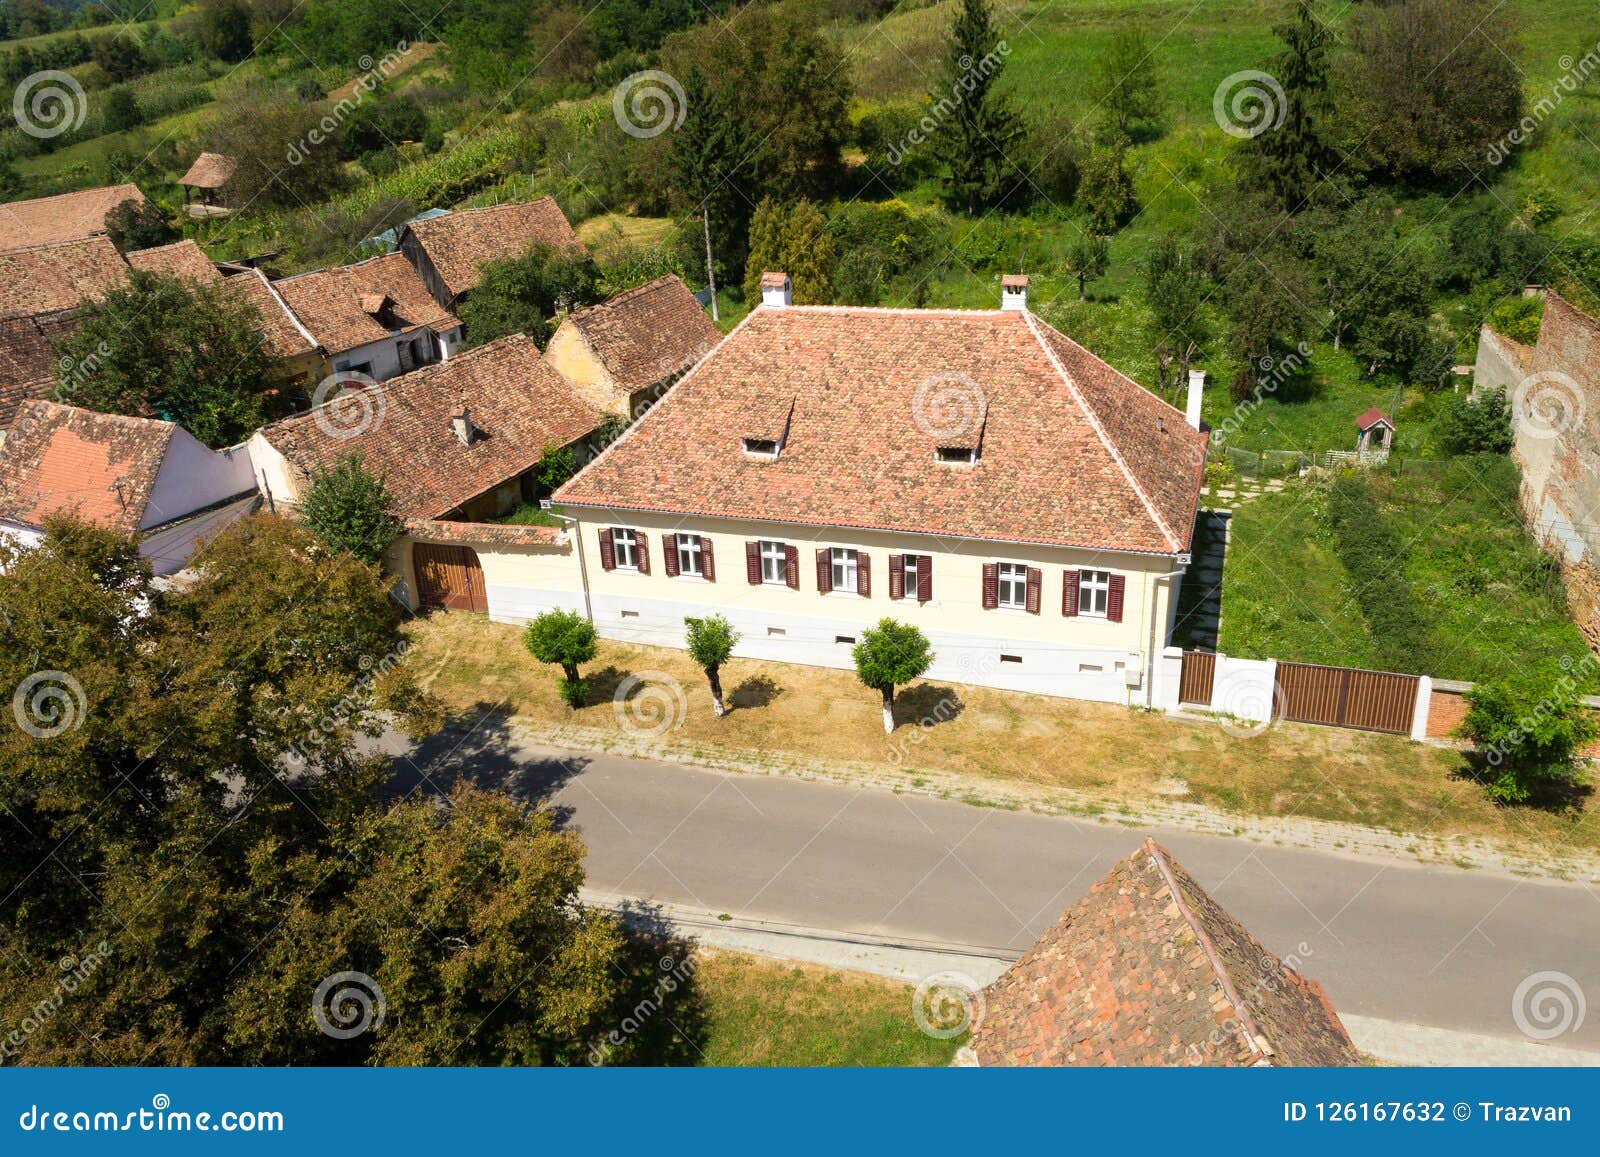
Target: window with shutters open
{"type": "Point", "coordinates": [1094, 592]}
{"type": "Point", "coordinates": [625, 548]}
{"type": "Point", "coordinates": [774, 563]}
{"type": "Point", "coordinates": [690, 557]}
{"type": "Point", "coordinates": [844, 570]}
{"type": "Point", "coordinates": [1013, 589]}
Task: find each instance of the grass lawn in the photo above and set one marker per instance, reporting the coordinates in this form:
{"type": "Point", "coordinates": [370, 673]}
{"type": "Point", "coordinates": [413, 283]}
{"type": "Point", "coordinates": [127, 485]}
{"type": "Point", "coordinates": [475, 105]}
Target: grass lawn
{"type": "Point", "coordinates": [770, 1012]}
{"type": "Point", "coordinates": [529, 514]}
{"type": "Point", "coordinates": [1122, 756]}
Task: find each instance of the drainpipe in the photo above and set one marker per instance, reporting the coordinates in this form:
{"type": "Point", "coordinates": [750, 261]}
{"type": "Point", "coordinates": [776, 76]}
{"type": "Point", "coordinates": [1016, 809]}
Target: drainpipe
{"type": "Point", "coordinates": [1154, 650]}
{"type": "Point", "coordinates": [583, 566]}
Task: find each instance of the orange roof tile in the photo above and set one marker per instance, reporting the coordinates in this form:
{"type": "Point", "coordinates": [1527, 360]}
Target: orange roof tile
{"type": "Point", "coordinates": [281, 335]}
{"type": "Point", "coordinates": [27, 360]}
{"type": "Point", "coordinates": [61, 218]}
{"type": "Point", "coordinates": [459, 244]}
{"type": "Point", "coordinates": [62, 275]}
{"type": "Point", "coordinates": [180, 259]}
{"type": "Point", "coordinates": [328, 302]}
{"type": "Point", "coordinates": [64, 460]}
{"type": "Point", "coordinates": [648, 334]}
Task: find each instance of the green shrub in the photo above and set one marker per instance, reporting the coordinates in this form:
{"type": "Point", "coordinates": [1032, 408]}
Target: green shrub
{"type": "Point", "coordinates": [1480, 425]}
{"type": "Point", "coordinates": [1530, 728]}
{"type": "Point", "coordinates": [1519, 319]}
{"type": "Point", "coordinates": [1374, 557]}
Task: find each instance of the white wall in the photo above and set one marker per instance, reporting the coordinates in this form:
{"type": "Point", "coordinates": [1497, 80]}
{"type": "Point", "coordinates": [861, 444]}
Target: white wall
{"type": "Point", "coordinates": [193, 476]}
{"type": "Point", "coordinates": [384, 355]}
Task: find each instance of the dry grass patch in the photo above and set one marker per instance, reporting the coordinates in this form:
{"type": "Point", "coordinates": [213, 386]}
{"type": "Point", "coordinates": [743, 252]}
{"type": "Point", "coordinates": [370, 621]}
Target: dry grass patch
{"type": "Point", "coordinates": [1121, 755]}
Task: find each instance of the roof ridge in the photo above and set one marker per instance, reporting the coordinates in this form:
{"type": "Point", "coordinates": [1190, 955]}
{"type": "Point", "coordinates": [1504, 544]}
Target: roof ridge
{"type": "Point", "coordinates": [486, 208]}
{"type": "Point", "coordinates": [912, 310]}
{"type": "Point", "coordinates": [92, 239]}
{"type": "Point", "coordinates": [628, 294]}
{"type": "Point", "coordinates": [164, 423]}
{"type": "Point", "coordinates": [1100, 431]}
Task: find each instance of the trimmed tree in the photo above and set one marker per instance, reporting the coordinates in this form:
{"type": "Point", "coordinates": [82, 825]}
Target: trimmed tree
{"type": "Point", "coordinates": [711, 641]}
{"type": "Point", "coordinates": [348, 507]}
{"type": "Point", "coordinates": [564, 638]}
{"type": "Point", "coordinates": [888, 655]}
{"type": "Point", "coordinates": [1531, 730]}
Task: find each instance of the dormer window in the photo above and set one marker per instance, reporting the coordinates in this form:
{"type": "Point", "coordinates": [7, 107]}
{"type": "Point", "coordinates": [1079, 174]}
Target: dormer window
{"type": "Point", "coordinates": [957, 455]}
{"type": "Point", "coordinates": [761, 448]}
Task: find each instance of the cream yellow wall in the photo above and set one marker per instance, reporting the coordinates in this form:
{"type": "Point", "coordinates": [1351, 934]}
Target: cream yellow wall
{"type": "Point", "coordinates": [570, 356]}
{"type": "Point", "coordinates": [520, 581]}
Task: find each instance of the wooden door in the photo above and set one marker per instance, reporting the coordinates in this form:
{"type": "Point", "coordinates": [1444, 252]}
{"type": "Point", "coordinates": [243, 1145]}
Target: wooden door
{"type": "Point", "coordinates": [449, 577]}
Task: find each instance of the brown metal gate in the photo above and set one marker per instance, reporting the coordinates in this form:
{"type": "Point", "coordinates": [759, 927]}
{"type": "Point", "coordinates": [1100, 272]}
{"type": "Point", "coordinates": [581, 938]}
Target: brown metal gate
{"type": "Point", "coordinates": [1194, 683]}
{"type": "Point", "coordinates": [449, 577]}
{"type": "Point", "coordinates": [1345, 697]}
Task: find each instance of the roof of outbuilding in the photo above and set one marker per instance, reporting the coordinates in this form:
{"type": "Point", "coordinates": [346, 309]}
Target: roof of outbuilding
{"type": "Point", "coordinates": [180, 259]}
{"type": "Point", "coordinates": [402, 427]}
{"type": "Point", "coordinates": [61, 275]}
{"type": "Point", "coordinates": [459, 244]}
{"type": "Point", "coordinates": [328, 302]}
{"type": "Point", "coordinates": [27, 360]}
{"type": "Point", "coordinates": [64, 217]}
{"type": "Point", "coordinates": [649, 333]}
{"type": "Point", "coordinates": [65, 460]}
{"type": "Point", "coordinates": [1148, 969]}
{"type": "Point", "coordinates": [281, 334]}
{"type": "Point", "coordinates": [209, 171]}
{"type": "Point", "coordinates": [1371, 418]}
{"type": "Point", "coordinates": [1072, 452]}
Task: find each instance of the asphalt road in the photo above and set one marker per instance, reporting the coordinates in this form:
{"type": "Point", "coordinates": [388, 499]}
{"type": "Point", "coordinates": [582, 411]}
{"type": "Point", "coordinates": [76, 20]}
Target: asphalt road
{"type": "Point", "coordinates": [1430, 946]}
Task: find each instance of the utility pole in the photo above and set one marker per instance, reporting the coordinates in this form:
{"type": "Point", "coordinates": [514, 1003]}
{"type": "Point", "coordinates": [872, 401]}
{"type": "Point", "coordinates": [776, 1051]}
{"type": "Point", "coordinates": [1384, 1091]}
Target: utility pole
{"type": "Point", "coordinates": [711, 274]}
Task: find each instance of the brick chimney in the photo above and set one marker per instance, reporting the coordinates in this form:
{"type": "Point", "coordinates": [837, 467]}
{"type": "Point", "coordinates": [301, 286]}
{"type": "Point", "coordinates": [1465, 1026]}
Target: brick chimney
{"type": "Point", "coordinates": [1014, 292]}
{"type": "Point", "coordinates": [776, 293]}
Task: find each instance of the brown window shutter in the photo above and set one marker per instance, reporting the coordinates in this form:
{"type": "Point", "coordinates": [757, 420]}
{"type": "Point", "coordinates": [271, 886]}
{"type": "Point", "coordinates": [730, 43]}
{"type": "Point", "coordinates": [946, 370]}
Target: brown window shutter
{"type": "Point", "coordinates": [1114, 598]}
{"type": "Point", "coordinates": [791, 566]}
{"type": "Point", "coordinates": [1034, 584]}
{"type": "Point", "coordinates": [897, 576]}
{"type": "Point", "coordinates": [708, 563]}
{"type": "Point", "coordinates": [669, 554]}
{"type": "Point", "coordinates": [925, 578]}
{"type": "Point", "coordinates": [608, 550]}
{"type": "Point", "coordinates": [644, 551]}
{"type": "Point", "coordinates": [1069, 592]}
{"type": "Point", "coordinates": [991, 585]}
{"type": "Point", "coordinates": [863, 574]}
{"type": "Point", "coordinates": [752, 563]}
{"type": "Point", "coordinates": [824, 571]}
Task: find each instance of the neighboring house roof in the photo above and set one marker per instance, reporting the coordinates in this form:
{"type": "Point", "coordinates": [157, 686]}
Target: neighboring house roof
{"type": "Point", "coordinates": [62, 275]}
{"type": "Point", "coordinates": [180, 259]}
{"type": "Point", "coordinates": [459, 244]}
{"type": "Point", "coordinates": [1072, 452]}
{"type": "Point", "coordinates": [647, 334]}
{"type": "Point", "coordinates": [328, 302]}
{"type": "Point", "coordinates": [403, 430]}
{"type": "Point", "coordinates": [1373, 417]}
{"type": "Point", "coordinates": [282, 336]}
{"type": "Point", "coordinates": [27, 358]}
{"type": "Point", "coordinates": [61, 459]}
{"type": "Point", "coordinates": [209, 171]}
{"type": "Point", "coordinates": [1148, 969]}
{"type": "Point", "coordinates": [61, 218]}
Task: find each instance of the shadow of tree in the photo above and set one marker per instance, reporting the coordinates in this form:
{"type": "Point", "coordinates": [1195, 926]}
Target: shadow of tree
{"type": "Point", "coordinates": [1558, 797]}
{"type": "Point", "coordinates": [927, 702]}
{"type": "Point", "coordinates": [756, 691]}
{"type": "Point", "coordinates": [659, 1016]}
{"type": "Point", "coordinates": [604, 683]}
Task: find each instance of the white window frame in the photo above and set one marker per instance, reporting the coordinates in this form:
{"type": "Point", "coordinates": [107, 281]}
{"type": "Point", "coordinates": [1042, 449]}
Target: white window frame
{"type": "Point", "coordinates": [1012, 575]}
{"type": "Point", "coordinates": [844, 568]}
{"type": "Point", "coordinates": [1094, 586]}
{"type": "Point", "coordinates": [624, 544]}
{"type": "Point", "coordinates": [908, 573]}
{"type": "Point", "coordinates": [691, 563]}
{"type": "Point", "coordinates": [776, 553]}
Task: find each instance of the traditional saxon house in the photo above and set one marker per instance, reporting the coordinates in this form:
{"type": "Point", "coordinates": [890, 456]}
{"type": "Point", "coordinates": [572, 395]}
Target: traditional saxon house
{"type": "Point", "coordinates": [145, 478]}
{"type": "Point", "coordinates": [1147, 969]}
{"type": "Point", "coordinates": [298, 361]}
{"type": "Point", "coordinates": [624, 353]}
{"type": "Point", "coordinates": [975, 473]}
{"type": "Point", "coordinates": [450, 250]}
{"type": "Point", "coordinates": [456, 445]}
{"type": "Point", "coordinates": [66, 217]}
{"type": "Point", "coordinates": [374, 318]}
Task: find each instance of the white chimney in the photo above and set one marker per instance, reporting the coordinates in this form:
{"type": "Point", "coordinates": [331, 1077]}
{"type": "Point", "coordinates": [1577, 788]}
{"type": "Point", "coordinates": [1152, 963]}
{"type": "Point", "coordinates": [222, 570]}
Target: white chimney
{"type": "Point", "coordinates": [1197, 389]}
{"type": "Point", "coordinates": [776, 292]}
{"type": "Point", "coordinates": [1014, 292]}
{"type": "Point", "coordinates": [461, 424]}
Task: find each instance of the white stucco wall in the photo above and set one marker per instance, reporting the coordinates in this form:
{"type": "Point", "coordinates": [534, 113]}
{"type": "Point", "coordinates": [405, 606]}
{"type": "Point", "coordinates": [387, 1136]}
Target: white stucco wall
{"type": "Point", "coordinates": [193, 476]}
{"type": "Point", "coordinates": [384, 355]}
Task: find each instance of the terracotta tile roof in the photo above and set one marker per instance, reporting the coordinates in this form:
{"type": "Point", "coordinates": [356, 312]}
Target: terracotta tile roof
{"type": "Point", "coordinates": [62, 218]}
{"type": "Point", "coordinates": [1072, 452]}
{"type": "Point", "coordinates": [493, 533]}
{"type": "Point", "coordinates": [328, 302]}
{"type": "Point", "coordinates": [180, 259]}
{"type": "Point", "coordinates": [460, 243]}
{"type": "Point", "coordinates": [27, 359]}
{"type": "Point", "coordinates": [516, 401]}
{"type": "Point", "coordinates": [1147, 969]}
{"type": "Point", "coordinates": [209, 171]}
{"type": "Point", "coordinates": [61, 459]}
{"type": "Point", "coordinates": [281, 335]}
{"type": "Point", "coordinates": [64, 275]}
{"type": "Point", "coordinates": [1371, 418]}
{"type": "Point", "coordinates": [650, 333]}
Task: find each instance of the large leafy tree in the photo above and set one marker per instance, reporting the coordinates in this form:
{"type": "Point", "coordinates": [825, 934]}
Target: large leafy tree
{"type": "Point", "coordinates": [712, 164]}
{"type": "Point", "coordinates": [888, 655]}
{"type": "Point", "coordinates": [794, 239]}
{"type": "Point", "coordinates": [168, 348]}
{"type": "Point", "coordinates": [982, 134]}
{"type": "Point", "coordinates": [1126, 91]}
{"type": "Point", "coordinates": [1175, 290]}
{"type": "Point", "coordinates": [520, 294]}
{"type": "Point", "coordinates": [1087, 259]}
{"type": "Point", "coordinates": [349, 508]}
{"type": "Point", "coordinates": [1291, 155]}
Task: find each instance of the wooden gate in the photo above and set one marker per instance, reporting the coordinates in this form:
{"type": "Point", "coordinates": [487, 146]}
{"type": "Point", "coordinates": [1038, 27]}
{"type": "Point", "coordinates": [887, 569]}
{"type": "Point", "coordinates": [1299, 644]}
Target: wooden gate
{"type": "Point", "coordinates": [1194, 684]}
{"type": "Point", "coordinates": [1345, 697]}
{"type": "Point", "coordinates": [449, 577]}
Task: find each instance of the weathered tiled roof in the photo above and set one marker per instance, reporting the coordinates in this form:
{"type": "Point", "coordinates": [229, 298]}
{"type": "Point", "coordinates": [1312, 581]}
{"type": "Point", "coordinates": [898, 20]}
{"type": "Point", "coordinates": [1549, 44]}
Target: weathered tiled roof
{"type": "Point", "coordinates": [328, 302]}
{"type": "Point", "coordinates": [180, 259]}
{"type": "Point", "coordinates": [1148, 969]}
{"type": "Point", "coordinates": [1072, 452]}
{"type": "Point", "coordinates": [460, 243]}
{"type": "Point", "coordinates": [652, 332]}
{"type": "Point", "coordinates": [27, 360]}
{"type": "Point", "coordinates": [61, 459]}
{"type": "Point", "coordinates": [281, 334]}
{"type": "Point", "coordinates": [61, 218]}
{"type": "Point", "coordinates": [495, 533]}
{"type": "Point", "coordinates": [209, 171]}
{"type": "Point", "coordinates": [62, 275]}
{"type": "Point", "coordinates": [403, 431]}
